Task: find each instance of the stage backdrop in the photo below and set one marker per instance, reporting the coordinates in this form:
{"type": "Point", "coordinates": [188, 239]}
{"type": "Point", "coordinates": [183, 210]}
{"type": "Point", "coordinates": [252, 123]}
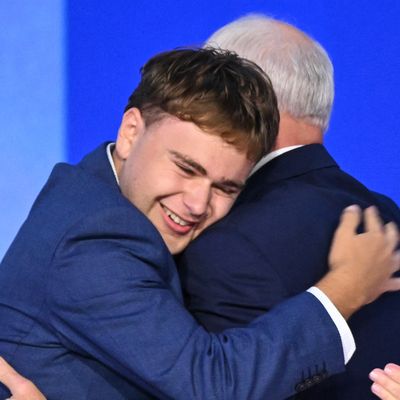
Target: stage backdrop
{"type": "Point", "coordinates": [32, 107]}
{"type": "Point", "coordinates": [68, 67]}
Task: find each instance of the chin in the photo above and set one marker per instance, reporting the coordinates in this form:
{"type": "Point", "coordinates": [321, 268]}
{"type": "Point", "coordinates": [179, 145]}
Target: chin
{"type": "Point", "coordinates": [178, 247]}
{"type": "Point", "coordinates": [174, 248]}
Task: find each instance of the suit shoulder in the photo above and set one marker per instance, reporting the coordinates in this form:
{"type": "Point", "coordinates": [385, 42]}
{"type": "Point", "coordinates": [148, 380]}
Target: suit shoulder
{"type": "Point", "coordinates": [74, 203]}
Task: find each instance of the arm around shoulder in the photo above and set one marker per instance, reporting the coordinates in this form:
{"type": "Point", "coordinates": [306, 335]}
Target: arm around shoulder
{"type": "Point", "coordinates": [117, 293]}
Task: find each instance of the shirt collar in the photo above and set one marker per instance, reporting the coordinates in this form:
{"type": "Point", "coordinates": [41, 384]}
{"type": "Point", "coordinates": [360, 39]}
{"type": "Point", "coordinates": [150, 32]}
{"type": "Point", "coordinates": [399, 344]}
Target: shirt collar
{"type": "Point", "coordinates": [110, 148]}
{"type": "Point", "coordinates": [270, 156]}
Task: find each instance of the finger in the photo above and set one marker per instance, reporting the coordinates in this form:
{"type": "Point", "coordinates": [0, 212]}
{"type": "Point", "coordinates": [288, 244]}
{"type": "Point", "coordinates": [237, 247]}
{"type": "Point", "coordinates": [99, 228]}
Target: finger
{"type": "Point", "coordinates": [392, 234]}
{"type": "Point", "coordinates": [384, 385]}
{"type": "Point", "coordinates": [349, 220]}
{"type": "Point", "coordinates": [8, 375]}
{"type": "Point", "coordinates": [392, 285]}
{"type": "Point", "coordinates": [393, 370]}
{"type": "Point", "coordinates": [381, 392]}
{"type": "Point", "coordinates": [372, 221]}
{"type": "Point", "coordinates": [20, 387]}
{"type": "Point", "coordinates": [396, 261]}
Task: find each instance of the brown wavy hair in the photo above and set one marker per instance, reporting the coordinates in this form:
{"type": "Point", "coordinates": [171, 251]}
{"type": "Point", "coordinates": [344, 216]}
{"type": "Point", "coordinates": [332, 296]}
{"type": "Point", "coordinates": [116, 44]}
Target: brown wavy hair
{"type": "Point", "coordinates": [215, 89]}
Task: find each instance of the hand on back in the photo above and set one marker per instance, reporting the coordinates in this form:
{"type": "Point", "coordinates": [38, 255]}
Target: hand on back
{"type": "Point", "coordinates": [361, 265]}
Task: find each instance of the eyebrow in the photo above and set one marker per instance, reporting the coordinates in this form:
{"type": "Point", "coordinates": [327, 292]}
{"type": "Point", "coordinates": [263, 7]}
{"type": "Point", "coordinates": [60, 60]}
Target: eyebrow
{"type": "Point", "coordinates": [222, 184]}
{"type": "Point", "coordinates": [195, 165]}
{"type": "Point", "coordinates": [227, 183]}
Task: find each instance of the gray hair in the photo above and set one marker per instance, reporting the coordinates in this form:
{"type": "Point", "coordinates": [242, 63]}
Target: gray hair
{"type": "Point", "coordinates": [298, 66]}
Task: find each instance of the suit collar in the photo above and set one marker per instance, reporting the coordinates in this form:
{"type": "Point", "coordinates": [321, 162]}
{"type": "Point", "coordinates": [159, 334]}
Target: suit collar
{"type": "Point", "coordinates": [293, 163]}
{"type": "Point", "coordinates": [270, 156]}
{"type": "Point", "coordinates": [96, 163]}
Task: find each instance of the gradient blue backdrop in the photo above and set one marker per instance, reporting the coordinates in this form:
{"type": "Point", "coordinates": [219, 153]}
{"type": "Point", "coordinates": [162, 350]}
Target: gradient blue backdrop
{"type": "Point", "coordinates": [32, 104]}
{"type": "Point", "coordinates": [80, 61]}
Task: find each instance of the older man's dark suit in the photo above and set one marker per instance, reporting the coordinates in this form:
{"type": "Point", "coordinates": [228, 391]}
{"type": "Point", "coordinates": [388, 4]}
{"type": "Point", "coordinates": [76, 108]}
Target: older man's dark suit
{"type": "Point", "coordinates": [274, 244]}
{"type": "Point", "coordinates": [91, 308]}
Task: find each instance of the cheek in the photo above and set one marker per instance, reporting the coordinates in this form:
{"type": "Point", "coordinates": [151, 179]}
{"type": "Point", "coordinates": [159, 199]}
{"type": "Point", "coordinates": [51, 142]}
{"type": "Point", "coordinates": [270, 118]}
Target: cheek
{"type": "Point", "coordinates": [221, 207]}
{"type": "Point", "coordinates": [218, 209]}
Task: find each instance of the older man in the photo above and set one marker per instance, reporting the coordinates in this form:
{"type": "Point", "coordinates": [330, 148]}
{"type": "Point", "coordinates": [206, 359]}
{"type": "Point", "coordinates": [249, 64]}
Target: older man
{"type": "Point", "coordinates": [275, 241]}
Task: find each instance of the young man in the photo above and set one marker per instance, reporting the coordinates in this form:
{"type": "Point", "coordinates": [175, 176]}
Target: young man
{"type": "Point", "coordinates": [90, 302]}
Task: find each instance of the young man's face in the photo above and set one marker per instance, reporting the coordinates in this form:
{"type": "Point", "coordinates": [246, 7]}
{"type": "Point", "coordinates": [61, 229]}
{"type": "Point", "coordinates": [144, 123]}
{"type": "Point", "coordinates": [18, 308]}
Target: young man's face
{"type": "Point", "coordinates": [182, 178]}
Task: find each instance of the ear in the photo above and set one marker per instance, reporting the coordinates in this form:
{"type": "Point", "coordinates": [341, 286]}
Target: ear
{"type": "Point", "coordinates": [132, 127]}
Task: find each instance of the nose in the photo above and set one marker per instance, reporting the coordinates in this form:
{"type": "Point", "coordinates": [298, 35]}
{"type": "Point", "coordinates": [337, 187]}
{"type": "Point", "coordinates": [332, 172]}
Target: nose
{"type": "Point", "coordinates": [197, 199]}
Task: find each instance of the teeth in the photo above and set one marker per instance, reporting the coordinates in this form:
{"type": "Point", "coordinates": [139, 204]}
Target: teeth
{"type": "Point", "coordinates": [175, 218]}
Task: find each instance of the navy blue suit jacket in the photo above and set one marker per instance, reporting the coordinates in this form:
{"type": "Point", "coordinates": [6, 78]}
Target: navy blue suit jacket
{"type": "Point", "coordinates": [274, 244]}
{"type": "Point", "coordinates": [91, 308]}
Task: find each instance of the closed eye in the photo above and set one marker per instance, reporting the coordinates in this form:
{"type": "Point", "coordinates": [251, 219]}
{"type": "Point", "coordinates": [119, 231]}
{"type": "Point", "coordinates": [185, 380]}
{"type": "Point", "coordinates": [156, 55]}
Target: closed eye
{"type": "Point", "coordinates": [228, 190]}
{"type": "Point", "coordinates": [186, 169]}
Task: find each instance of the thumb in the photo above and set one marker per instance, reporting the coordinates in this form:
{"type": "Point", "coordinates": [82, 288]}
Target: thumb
{"type": "Point", "coordinates": [8, 375]}
{"type": "Point", "coordinates": [20, 387]}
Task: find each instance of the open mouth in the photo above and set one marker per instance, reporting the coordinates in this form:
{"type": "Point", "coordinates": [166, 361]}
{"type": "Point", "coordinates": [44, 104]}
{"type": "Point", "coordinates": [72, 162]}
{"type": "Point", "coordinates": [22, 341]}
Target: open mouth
{"type": "Point", "coordinates": [175, 217]}
{"type": "Point", "coordinates": [175, 222]}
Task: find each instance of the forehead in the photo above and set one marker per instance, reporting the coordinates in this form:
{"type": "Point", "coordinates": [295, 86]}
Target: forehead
{"type": "Point", "coordinates": [185, 134]}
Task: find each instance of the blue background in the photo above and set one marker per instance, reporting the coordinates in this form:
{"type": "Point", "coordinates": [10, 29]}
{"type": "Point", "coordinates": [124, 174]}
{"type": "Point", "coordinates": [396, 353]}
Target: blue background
{"type": "Point", "coordinates": [68, 67]}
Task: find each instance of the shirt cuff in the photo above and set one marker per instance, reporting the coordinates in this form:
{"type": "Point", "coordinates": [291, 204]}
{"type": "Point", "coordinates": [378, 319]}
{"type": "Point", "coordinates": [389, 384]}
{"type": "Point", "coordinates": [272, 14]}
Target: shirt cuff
{"type": "Point", "coordinates": [348, 344]}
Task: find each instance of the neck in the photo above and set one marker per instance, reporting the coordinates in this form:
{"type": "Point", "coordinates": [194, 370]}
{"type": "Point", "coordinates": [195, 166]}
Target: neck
{"type": "Point", "coordinates": [295, 132]}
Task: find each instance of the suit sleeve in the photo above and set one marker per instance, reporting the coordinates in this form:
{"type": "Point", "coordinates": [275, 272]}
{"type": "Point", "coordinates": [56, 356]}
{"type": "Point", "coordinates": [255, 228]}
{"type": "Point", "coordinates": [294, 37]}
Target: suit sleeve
{"type": "Point", "coordinates": [110, 300]}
